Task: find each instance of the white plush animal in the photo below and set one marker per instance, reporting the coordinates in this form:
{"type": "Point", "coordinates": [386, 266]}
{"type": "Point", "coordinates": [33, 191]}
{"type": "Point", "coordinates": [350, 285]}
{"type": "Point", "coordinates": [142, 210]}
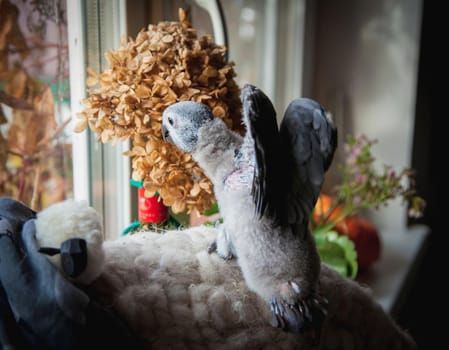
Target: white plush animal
{"type": "Point", "coordinates": [71, 233]}
{"type": "Point", "coordinates": [173, 294]}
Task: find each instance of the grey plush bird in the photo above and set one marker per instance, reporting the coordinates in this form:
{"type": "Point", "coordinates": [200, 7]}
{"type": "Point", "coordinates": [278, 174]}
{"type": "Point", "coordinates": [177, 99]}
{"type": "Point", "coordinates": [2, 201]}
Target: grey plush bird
{"type": "Point", "coordinates": [266, 185]}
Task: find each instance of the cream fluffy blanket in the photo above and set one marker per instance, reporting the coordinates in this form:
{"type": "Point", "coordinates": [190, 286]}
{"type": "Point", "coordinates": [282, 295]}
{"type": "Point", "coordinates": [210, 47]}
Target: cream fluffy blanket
{"type": "Point", "coordinates": [177, 296]}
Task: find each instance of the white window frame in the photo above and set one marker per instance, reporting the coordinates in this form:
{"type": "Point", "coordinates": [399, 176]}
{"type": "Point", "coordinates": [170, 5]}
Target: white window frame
{"type": "Point", "coordinates": [101, 173]}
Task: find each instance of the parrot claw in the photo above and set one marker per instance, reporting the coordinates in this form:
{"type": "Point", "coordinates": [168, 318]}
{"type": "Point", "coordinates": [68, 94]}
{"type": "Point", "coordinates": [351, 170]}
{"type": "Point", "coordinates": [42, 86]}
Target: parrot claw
{"type": "Point", "coordinates": [222, 245]}
{"type": "Point", "coordinates": [213, 248]}
{"type": "Point", "coordinates": [300, 316]}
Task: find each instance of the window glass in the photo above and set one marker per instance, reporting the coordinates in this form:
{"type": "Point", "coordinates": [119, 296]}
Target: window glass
{"type": "Point", "coordinates": [35, 142]}
{"type": "Point", "coordinates": [266, 39]}
{"type": "Point", "coordinates": [108, 172]}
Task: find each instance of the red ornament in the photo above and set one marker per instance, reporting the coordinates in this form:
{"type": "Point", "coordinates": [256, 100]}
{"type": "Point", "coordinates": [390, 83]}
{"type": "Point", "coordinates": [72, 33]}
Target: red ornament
{"type": "Point", "coordinates": [151, 209]}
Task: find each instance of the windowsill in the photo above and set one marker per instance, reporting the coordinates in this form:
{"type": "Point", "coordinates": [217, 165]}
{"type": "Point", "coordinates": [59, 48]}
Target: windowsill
{"type": "Point", "coordinates": [391, 277]}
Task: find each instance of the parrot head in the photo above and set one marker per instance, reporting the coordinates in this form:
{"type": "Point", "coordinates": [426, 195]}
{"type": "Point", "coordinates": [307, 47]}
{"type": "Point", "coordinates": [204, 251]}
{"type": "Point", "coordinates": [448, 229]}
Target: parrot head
{"type": "Point", "coordinates": [181, 122]}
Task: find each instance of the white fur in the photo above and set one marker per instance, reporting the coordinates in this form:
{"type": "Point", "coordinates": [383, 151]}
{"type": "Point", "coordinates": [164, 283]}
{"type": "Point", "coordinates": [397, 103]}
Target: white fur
{"type": "Point", "coordinates": [175, 295]}
{"type": "Point", "coordinates": [73, 219]}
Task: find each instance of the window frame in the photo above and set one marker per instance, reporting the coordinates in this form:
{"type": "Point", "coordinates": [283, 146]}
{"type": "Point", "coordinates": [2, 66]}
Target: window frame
{"type": "Point", "coordinates": [101, 173]}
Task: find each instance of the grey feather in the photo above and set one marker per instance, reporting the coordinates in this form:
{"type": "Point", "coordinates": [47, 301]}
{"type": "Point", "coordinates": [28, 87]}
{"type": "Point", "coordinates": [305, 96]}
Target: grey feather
{"type": "Point", "coordinates": [262, 132]}
{"type": "Point", "coordinates": [309, 137]}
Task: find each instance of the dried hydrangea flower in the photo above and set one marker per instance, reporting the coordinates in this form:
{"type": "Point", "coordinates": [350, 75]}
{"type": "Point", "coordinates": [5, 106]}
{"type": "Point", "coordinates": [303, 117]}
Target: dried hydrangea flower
{"type": "Point", "coordinates": [164, 64]}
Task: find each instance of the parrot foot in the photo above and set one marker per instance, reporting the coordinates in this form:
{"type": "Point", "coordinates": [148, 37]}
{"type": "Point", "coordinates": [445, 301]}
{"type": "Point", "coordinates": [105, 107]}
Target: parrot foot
{"type": "Point", "coordinates": [222, 245]}
{"type": "Point", "coordinates": [300, 315]}
{"type": "Point", "coordinates": [213, 248]}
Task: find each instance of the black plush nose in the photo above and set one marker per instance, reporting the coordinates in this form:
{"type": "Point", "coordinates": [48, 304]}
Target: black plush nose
{"type": "Point", "coordinates": [73, 255]}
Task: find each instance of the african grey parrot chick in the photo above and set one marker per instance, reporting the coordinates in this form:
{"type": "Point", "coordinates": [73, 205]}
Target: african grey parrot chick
{"type": "Point", "coordinates": [266, 185]}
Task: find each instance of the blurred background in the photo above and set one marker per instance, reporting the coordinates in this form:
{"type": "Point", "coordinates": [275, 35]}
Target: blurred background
{"type": "Point", "coordinates": [375, 65]}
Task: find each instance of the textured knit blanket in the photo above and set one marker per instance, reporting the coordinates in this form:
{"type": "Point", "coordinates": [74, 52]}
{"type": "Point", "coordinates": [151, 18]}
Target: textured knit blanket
{"type": "Point", "coordinates": [175, 295]}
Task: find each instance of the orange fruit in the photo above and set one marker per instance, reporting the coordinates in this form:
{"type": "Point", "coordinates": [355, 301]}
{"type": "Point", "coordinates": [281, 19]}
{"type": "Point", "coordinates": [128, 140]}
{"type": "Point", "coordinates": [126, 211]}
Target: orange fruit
{"type": "Point", "coordinates": [322, 207]}
{"type": "Point", "coordinates": [357, 228]}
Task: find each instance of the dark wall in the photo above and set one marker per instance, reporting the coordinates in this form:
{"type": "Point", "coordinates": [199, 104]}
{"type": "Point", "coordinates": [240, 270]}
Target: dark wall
{"type": "Point", "coordinates": [427, 300]}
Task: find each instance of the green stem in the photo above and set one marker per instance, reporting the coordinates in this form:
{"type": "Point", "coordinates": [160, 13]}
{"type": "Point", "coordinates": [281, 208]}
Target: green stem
{"type": "Point", "coordinates": [330, 223]}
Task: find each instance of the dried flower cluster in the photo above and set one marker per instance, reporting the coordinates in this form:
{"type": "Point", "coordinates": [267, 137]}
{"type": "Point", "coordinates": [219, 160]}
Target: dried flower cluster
{"type": "Point", "coordinates": [165, 64]}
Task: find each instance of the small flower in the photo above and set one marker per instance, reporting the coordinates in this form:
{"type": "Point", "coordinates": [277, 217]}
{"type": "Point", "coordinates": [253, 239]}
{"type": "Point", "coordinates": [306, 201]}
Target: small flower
{"type": "Point", "coordinates": [414, 213]}
{"type": "Point", "coordinates": [364, 187]}
{"type": "Point", "coordinates": [357, 201]}
{"type": "Point", "coordinates": [360, 178]}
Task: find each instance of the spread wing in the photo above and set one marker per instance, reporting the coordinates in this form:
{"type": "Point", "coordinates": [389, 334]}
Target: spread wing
{"type": "Point", "coordinates": [290, 163]}
{"type": "Point", "coordinates": [262, 137]}
{"type": "Point", "coordinates": [309, 140]}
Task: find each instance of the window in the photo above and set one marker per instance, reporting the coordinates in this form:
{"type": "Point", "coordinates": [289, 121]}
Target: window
{"type": "Point", "coordinates": [102, 173]}
{"type": "Point", "coordinates": [266, 39]}
{"type": "Point", "coordinates": [253, 28]}
{"type": "Point", "coordinates": [35, 141]}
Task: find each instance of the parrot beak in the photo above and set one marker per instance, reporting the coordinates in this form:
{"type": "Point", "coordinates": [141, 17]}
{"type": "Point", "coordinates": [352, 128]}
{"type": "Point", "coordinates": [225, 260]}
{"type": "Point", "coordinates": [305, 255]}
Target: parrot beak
{"type": "Point", "coordinates": [166, 134]}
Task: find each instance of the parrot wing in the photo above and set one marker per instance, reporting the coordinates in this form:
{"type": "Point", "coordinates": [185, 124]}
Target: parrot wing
{"type": "Point", "coordinates": [309, 140]}
{"type": "Point", "coordinates": [259, 117]}
{"type": "Point", "coordinates": [290, 163]}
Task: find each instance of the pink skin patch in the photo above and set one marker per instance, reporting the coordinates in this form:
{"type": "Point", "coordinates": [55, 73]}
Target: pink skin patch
{"type": "Point", "coordinates": [240, 179]}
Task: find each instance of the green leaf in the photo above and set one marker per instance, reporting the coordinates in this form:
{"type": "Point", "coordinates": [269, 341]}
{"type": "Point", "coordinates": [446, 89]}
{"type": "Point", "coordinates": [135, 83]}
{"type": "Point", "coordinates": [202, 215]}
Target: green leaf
{"type": "Point", "coordinates": [213, 223]}
{"type": "Point", "coordinates": [213, 210]}
{"type": "Point", "coordinates": [337, 251]}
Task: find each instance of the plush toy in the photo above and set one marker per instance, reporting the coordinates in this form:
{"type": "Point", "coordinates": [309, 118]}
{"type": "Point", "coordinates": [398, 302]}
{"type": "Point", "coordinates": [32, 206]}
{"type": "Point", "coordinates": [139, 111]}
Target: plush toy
{"type": "Point", "coordinates": [39, 307]}
{"type": "Point", "coordinates": [157, 291]}
{"type": "Point", "coordinates": [71, 234]}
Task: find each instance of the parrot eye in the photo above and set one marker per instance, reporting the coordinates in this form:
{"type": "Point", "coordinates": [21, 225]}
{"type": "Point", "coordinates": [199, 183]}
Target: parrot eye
{"type": "Point", "coordinates": [170, 121]}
